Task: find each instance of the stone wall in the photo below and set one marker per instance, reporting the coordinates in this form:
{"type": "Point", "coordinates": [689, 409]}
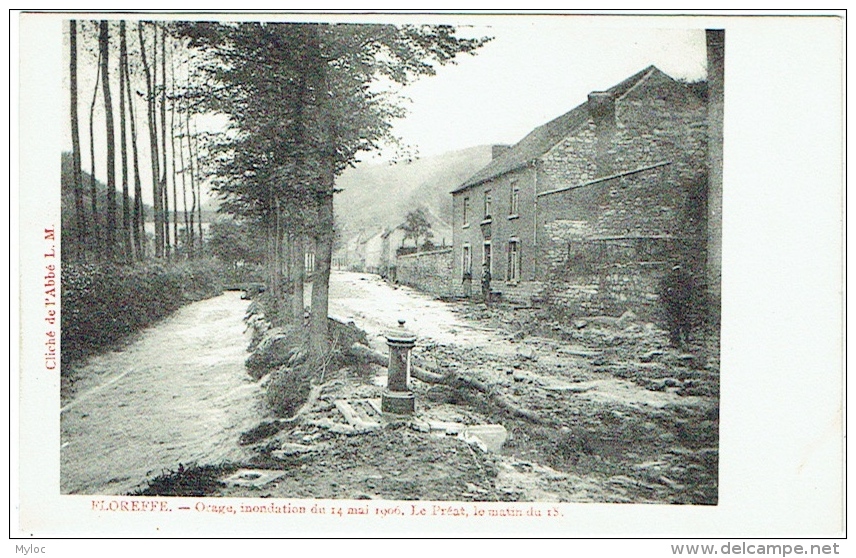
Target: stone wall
{"type": "Point", "coordinates": [608, 237]}
{"type": "Point", "coordinates": [430, 272]}
{"type": "Point", "coordinates": [591, 276]}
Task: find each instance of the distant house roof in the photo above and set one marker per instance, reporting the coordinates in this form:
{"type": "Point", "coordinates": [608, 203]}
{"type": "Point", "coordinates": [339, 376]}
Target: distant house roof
{"type": "Point", "coordinates": [544, 137]}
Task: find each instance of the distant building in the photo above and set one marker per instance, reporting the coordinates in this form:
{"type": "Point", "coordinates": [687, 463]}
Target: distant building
{"type": "Point", "coordinates": [592, 208]}
{"type": "Point", "coordinates": [374, 250]}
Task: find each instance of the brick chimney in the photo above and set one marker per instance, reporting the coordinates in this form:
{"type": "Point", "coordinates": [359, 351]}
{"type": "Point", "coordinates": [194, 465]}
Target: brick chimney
{"type": "Point", "coordinates": [498, 149]}
{"type": "Point", "coordinates": [601, 105]}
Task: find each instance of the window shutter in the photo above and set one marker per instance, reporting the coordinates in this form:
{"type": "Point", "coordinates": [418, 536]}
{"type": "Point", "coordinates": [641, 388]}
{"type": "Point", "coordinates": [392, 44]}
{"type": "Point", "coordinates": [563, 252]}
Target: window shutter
{"type": "Point", "coordinates": [508, 271]}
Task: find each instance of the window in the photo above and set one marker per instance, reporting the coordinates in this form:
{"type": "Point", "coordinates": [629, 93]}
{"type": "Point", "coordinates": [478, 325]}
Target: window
{"type": "Point", "coordinates": [487, 202]}
{"type": "Point", "coordinates": [466, 211]}
{"type": "Point", "coordinates": [513, 269]}
{"type": "Point", "coordinates": [514, 201]}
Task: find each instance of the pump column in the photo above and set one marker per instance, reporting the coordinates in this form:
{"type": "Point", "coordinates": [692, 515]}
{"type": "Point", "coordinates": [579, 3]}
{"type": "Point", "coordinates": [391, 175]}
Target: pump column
{"type": "Point", "coordinates": [397, 397]}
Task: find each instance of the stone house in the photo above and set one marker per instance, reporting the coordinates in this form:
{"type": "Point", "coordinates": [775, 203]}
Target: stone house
{"type": "Point", "coordinates": [372, 250]}
{"type": "Point", "coordinates": [591, 209]}
{"type": "Point", "coordinates": [351, 255]}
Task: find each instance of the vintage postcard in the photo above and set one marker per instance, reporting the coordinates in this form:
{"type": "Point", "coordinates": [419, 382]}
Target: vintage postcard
{"type": "Point", "coordinates": [442, 274]}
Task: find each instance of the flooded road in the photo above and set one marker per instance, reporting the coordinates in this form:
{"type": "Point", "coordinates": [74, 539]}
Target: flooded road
{"type": "Point", "coordinates": [376, 306]}
{"type": "Point", "coordinates": [178, 393]}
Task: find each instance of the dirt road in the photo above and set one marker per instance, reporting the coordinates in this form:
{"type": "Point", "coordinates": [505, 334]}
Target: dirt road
{"type": "Point", "coordinates": [375, 306]}
{"type": "Point", "coordinates": [620, 416]}
{"type": "Point", "coordinates": [624, 417]}
{"type": "Point", "coordinates": [178, 393]}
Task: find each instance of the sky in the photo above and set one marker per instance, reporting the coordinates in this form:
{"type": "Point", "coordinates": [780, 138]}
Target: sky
{"type": "Point", "coordinates": [533, 69]}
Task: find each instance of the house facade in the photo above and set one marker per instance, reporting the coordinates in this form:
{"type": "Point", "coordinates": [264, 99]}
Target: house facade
{"type": "Point", "coordinates": [592, 208]}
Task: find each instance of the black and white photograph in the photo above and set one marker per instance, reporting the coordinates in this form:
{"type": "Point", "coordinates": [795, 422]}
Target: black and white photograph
{"type": "Point", "coordinates": [387, 267]}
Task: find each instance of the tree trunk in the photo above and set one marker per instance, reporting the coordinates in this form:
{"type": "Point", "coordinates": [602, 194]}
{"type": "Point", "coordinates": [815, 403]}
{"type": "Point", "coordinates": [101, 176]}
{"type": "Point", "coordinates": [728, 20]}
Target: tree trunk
{"type": "Point", "coordinates": [164, 191]}
{"type": "Point", "coordinates": [93, 189]}
{"type": "Point", "coordinates": [138, 221]}
{"type": "Point", "coordinates": [153, 144]}
{"type": "Point", "coordinates": [298, 271]}
{"type": "Point", "coordinates": [276, 284]}
{"type": "Point", "coordinates": [188, 246]}
{"type": "Point", "coordinates": [190, 162]}
{"type": "Point", "coordinates": [79, 210]}
{"type": "Point", "coordinates": [318, 342]}
{"type": "Point", "coordinates": [317, 84]}
{"type": "Point", "coordinates": [104, 48]}
{"type": "Point", "coordinates": [195, 181]}
{"type": "Point", "coordinates": [123, 141]}
{"type": "Point", "coordinates": [172, 146]}
{"type": "Point", "coordinates": [195, 143]}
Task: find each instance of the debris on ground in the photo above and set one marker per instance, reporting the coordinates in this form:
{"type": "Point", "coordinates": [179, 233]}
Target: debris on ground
{"type": "Point", "coordinates": [592, 409]}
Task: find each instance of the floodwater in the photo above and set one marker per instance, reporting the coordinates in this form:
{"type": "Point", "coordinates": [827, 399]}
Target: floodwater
{"type": "Point", "coordinates": [376, 306]}
{"type": "Point", "coordinates": [177, 394]}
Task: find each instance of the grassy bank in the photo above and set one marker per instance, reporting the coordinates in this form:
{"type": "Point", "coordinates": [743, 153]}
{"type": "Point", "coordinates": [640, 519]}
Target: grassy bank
{"type": "Point", "coordinates": [104, 303]}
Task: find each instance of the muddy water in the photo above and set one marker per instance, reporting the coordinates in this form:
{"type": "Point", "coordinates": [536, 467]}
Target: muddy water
{"type": "Point", "coordinates": [178, 393]}
{"type": "Point", "coordinates": [375, 306]}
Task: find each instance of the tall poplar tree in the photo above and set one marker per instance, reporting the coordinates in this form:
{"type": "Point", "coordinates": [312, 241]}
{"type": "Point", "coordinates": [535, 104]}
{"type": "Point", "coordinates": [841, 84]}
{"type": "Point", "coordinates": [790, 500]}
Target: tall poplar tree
{"type": "Point", "coordinates": [127, 243]}
{"type": "Point", "coordinates": [153, 140]}
{"type": "Point", "coordinates": [93, 188]}
{"type": "Point", "coordinates": [79, 210]}
{"type": "Point", "coordinates": [104, 57]}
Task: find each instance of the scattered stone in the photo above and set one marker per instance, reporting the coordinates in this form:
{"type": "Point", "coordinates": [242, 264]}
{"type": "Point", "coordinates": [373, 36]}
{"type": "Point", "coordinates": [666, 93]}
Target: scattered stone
{"type": "Point", "coordinates": [448, 428]}
{"type": "Point", "coordinates": [526, 353]}
{"type": "Point", "coordinates": [623, 480]}
{"type": "Point", "coordinates": [670, 483]}
{"type": "Point", "coordinates": [579, 352]}
{"type": "Point", "coordinates": [649, 465]}
{"type": "Point", "coordinates": [488, 437]}
{"type": "Point", "coordinates": [360, 414]}
{"type": "Point", "coordinates": [253, 478]}
{"type": "Point", "coordinates": [679, 450]}
{"type": "Point", "coordinates": [289, 449]}
{"type": "Point", "coordinates": [442, 394]}
{"type": "Point", "coordinates": [626, 319]}
{"type": "Point", "coordinates": [655, 385]}
{"type": "Point", "coordinates": [650, 356]}
{"type": "Point", "coordinates": [569, 389]}
{"type": "Point", "coordinates": [420, 425]}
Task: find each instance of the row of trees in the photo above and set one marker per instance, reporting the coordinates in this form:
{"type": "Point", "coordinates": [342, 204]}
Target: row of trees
{"type": "Point", "coordinates": [303, 101]}
{"type": "Point", "coordinates": [152, 67]}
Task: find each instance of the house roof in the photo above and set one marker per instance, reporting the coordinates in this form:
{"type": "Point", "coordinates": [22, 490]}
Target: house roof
{"type": "Point", "coordinates": [543, 138]}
